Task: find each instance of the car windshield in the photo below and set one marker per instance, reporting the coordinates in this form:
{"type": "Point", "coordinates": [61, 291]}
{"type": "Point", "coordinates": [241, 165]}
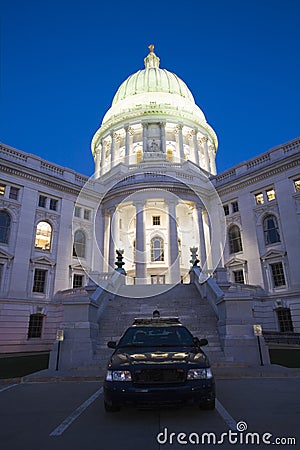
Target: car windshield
{"type": "Point", "coordinates": [157, 336]}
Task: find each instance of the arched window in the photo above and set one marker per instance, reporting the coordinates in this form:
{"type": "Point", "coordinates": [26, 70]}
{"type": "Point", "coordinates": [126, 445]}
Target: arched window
{"type": "Point", "coordinates": [79, 245]}
{"type": "Point", "coordinates": [235, 241]}
{"type": "Point", "coordinates": [5, 222]}
{"type": "Point", "coordinates": [271, 231]}
{"type": "Point", "coordinates": [43, 236]}
{"type": "Point", "coordinates": [157, 249]}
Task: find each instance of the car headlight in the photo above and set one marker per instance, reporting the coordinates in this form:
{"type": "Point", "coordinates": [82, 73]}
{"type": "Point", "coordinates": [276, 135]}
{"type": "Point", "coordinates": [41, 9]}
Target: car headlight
{"type": "Point", "coordinates": [118, 375]}
{"type": "Point", "coordinates": [199, 374]}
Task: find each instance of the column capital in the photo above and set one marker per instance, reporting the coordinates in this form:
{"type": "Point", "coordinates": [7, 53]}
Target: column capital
{"type": "Point", "coordinates": [204, 139]}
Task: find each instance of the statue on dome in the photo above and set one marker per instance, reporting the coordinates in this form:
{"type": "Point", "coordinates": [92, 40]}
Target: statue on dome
{"type": "Point", "coordinates": [151, 48]}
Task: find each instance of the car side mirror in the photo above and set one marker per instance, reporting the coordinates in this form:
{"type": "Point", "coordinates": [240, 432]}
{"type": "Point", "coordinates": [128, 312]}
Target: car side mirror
{"type": "Point", "coordinates": [111, 344]}
{"type": "Point", "coordinates": [203, 342]}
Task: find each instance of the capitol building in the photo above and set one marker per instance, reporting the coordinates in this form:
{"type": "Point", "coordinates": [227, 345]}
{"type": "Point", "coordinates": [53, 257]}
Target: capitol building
{"type": "Point", "coordinates": [156, 226]}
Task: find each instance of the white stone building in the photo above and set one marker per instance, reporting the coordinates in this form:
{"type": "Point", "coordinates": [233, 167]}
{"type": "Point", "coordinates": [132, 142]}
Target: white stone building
{"type": "Point", "coordinates": [155, 195]}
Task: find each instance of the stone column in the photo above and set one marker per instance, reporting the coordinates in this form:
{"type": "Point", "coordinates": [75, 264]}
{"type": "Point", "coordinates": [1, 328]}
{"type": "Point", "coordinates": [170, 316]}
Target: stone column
{"type": "Point", "coordinates": [204, 140]}
{"type": "Point", "coordinates": [202, 249]}
{"type": "Point", "coordinates": [145, 136]}
{"type": "Point", "coordinates": [196, 148]}
{"type": "Point", "coordinates": [180, 142]}
{"type": "Point", "coordinates": [174, 262]}
{"type": "Point", "coordinates": [112, 149]}
{"type": "Point", "coordinates": [163, 137]}
{"type": "Point", "coordinates": [100, 231]}
{"type": "Point", "coordinates": [97, 162]}
{"type": "Point", "coordinates": [127, 144]}
{"type": "Point", "coordinates": [212, 159]}
{"type": "Point", "coordinates": [103, 150]}
{"type": "Point", "coordinates": [112, 228]}
{"type": "Point", "coordinates": [140, 251]}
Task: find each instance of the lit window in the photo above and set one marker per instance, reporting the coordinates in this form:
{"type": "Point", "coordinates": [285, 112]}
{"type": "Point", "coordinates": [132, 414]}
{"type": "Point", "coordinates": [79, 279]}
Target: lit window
{"type": "Point", "coordinates": [285, 320]}
{"type": "Point", "coordinates": [139, 156]}
{"type": "Point", "coordinates": [5, 222]}
{"type": "Point", "coordinates": [277, 274]}
{"type": "Point", "coordinates": [42, 201]}
{"type": "Point", "coordinates": [239, 276]}
{"type": "Point", "coordinates": [77, 211]}
{"type": "Point", "coordinates": [43, 236]}
{"type": "Point", "coordinates": [77, 280]}
{"type": "Point", "coordinates": [235, 241]}
{"type": "Point", "coordinates": [235, 206]}
{"type": "Point", "coordinates": [39, 281]}
{"type": "Point", "coordinates": [297, 185]}
{"type": "Point", "coordinates": [226, 210]}
{"type": "Point", "coordinates": [35, 326]}
{"type": "Point", "coordinates": [155, 220]}
{"type": "Point", "coordinates": [170, 155]}
{"type": "Point", "coordinates": [87, 214]}
{"type": "Point", "coordinates": [270, 195]}
{"type": "Point", "coordinates": [259, 198]}
{"type": "Point", "coordinates": [79, 244]}
{"type": "Point", "coordinates": [2, 189]}
{"type": "Point", "coordinates": [14, 193]}
{"type": "Point", "coordinates": [53, 204]}
{"type": "Point", "coordinates": [271, 231]}
{"type": "Point", "coordinates": [157, 249]}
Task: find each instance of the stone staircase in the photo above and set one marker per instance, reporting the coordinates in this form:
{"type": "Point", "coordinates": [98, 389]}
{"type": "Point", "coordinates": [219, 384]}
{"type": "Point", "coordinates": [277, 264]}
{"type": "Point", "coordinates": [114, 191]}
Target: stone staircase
{"type": "Point", "coordinates": [183, 301]}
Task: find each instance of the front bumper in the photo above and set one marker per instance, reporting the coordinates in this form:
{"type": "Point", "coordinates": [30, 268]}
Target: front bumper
{"type": "Point", "coordinates": [127, 394]}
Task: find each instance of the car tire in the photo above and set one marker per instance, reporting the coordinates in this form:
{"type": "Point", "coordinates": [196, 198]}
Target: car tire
{"type": "Point", "coordinates": [110, 408]}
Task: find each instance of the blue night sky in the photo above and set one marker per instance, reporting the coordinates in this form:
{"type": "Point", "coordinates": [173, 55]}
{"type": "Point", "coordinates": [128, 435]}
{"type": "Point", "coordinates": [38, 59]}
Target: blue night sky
{"type": "Point", "coordinates": [62, 62]}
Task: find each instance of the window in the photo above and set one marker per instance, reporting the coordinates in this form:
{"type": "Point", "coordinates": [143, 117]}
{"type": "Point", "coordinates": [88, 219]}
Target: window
{"type": "Point", "coordinates": [271, 231]}
{"type": "Point", "coordinates": [285, 320]}
{"type": "Point", "coordinates": [157, 249]}
{"type": "Point", "coordinates": [39, 281]}
{"type": "Point", "coordinates": [77, 280]}
{"type": "Point", "coordinates": [77, 211]}
{"type": "Point", "coordinates": [2, 189]}
{"type": "Point", "coordinates": [226, 210]}
{"type": "Point", "coordinates": [5, 222]}
{"type": "Point", "coordinates": [139, 156]}
{"type": "Point", "coordinates": [42, 201]}
{"type": "Point", "coordinates": [277, 274]}
{"type": "Point", "coordinates": [297, 185]}
{"type": "Point", "coordinates": [79, 244]}
{"type": "Point", "coordinates": [270, 195]}
{"type": "Point", "coordinates": [239, 276]}
{"type": "Point", "coordinates": [53, 204]}
{"type": "Point", "coordinates": [87, 214]}
{"type": "Point", "coordinates": [170, 155]}
{"type": "Point", "coordinates": [235, 206]}
{"type": "Point", "coordinates": [35, 326]}
{"type": "Point", "coordinates": [259, 198]}
{"type": "Point", "coordinates": [14, 193]}
{"type": "Point", "coordinates": [235, 241]}
{"type": "Point", "coordinates": [43, 236]}
{"type": "Point", "coordinates": [158, 279]}
{"type": "Point", "coordinates": [155, 220]}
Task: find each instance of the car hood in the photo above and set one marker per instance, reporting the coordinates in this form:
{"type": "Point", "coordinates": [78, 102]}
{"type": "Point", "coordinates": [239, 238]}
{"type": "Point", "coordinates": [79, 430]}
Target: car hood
{"type": "Point", "coordinates": [140, 356]}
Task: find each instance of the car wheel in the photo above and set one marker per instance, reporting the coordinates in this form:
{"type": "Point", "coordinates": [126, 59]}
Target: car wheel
{"type": "Point", "coordinates": [208, 406]}
{"type": "Point", "coordinates": [110, 408]}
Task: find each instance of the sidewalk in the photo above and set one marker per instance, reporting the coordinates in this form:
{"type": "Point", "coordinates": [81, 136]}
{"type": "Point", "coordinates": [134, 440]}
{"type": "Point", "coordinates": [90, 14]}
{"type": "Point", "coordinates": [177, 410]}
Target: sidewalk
{"type": "Point", "coordinates": [220, 372]}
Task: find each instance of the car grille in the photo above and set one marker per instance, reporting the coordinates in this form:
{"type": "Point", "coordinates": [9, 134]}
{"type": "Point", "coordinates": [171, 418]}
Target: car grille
{"type": "Point", "coordinates": [156, 376]}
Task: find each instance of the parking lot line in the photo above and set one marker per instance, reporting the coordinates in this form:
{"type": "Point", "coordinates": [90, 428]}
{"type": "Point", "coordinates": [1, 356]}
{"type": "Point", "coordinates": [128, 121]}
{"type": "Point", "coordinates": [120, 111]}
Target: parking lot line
{"type": "Point", "coordinates": [75, 414]}
{"type": "Point", "coordinates": [8, 387]}
{"type": "Point", "coordinates": [226, 416]}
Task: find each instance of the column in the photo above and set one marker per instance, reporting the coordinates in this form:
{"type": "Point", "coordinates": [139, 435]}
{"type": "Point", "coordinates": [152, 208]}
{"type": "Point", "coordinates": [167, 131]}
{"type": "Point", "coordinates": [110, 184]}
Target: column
{"type": "Point", "coordinates": [99, 234]}
{"type": "Point", "coordinates": [180, 142]}
{"type": "Point", "coordinates": [212, 159]}
{"type": "Point", "coordinates": [196, 148]}
{"type": "Point", "coordinates": [145, 136]}
{"type": "Point", "coordinates": [204, 140]}
{"type": "Point", "coordinates": [173, 244]}
{"type": "Point", "coordinates": [111, 248]}
{"type": "Point", "coordinates": [112, 149]}
{"type": "Point", "coordinates": [163, 137]}
{"type": "Point", "coordinates": [103, 150]}
{"type": "Point", "coordinates": [127, 144]}
{"type": "Point", "coordinates": [202, 249]}
{"type": "Point", "coordinates": [140, 253]}
{"type": "Point", "coordinates": [97, 162]}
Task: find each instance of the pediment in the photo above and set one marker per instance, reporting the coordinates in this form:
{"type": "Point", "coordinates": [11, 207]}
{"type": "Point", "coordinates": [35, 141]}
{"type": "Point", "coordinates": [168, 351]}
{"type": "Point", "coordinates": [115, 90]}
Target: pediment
{"type": "Point", "coordinates": [5, 255]}
{"type": "Point", "coordinates": [43, 260]}
{"type": "Point", "coordinates": [77, 267]}
{"type": "Point", "coordinates": [235, 262]}
{"type": "Point", "coordinates": [272, 254]}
